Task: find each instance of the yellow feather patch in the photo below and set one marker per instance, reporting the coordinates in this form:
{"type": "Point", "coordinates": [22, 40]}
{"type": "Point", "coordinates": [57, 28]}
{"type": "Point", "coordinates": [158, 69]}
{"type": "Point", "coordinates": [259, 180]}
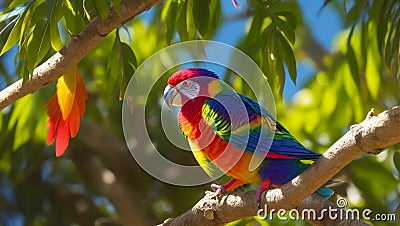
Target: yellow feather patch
{"type": "Point", "coordinates": [66, 87]}
{"type": "Point", "coordinates": [307, 161]}
{"type": "Point", "coordinates": [203, 161]}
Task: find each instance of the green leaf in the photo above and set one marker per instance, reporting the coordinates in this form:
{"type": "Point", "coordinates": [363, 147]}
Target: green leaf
{"type": "Point", "coordinates": [117, 6]}
{"type": "Point", "coordinates": [353, 65]}
{"type": "Point", "coordinates": [389, 48]}
{"type": "Point", "coordinates": [329, 100]}
{"type": "Point", "coordinates": [288, 57]}
{"type": "Point", "coordinates": [396, 160]}
{"type": "Point", "coordinates": [354, 13]}
{"type": "Point", "coordinates": [290, 18]}
{"type": "Point", "coordinates": [283, 7]}
{"type": "Point", "coordinates": [54, 33]}
{"type": "Point", "coordinates": [13, 37]}
{"type": "Point", "coordinates": [182, 22]}
{"type": "Point", "coordinates": [352, 16]}
{"type": "Point", "coordinates": [5, 163]}
{"type": "Point", "coordinates": [266, 42]}
{"type": "Point", "coordinates": [16, 3]}
{"type": "Point", "coordinates": [256, 24]}
{"type": "Point", "coordinates": [281, 76]}
{"type": "Point", "coordinates": [40, 12]}
{"type": "Point", "coordinates": [278, 60]}
{"type": "Point", "coordinates": [38, 45]}
{"type": "Point", "coordinates": [88, 6]}
{"type": "Point", "coordinates": [201, 15]}
{"type": "Point", "coordinates": [215, 12]}
{"type": "Point", "coordinates": [191, 27]}
{"type": "Point", "coordinates": [102, 8]}
{"type": "Point", "coordinates": [44, 44]}
{"type": "Point", "coordinates": [11, 14]}
{"type": "Point", "coordinates": [364, 40]}
{"type": "Point", "coordinates": [20, 118]}
{"type": "Point", "coordinates": [114, 66]}
{"type": "Point", "coordinates": [129, 55]}
{"type": "Point", "coordinates": [169, 16]}
{"type": "Point", "coordinates": [349, 85]}
{"type": "Point", "coordinates": [18, 25]}
{"type": "Point", "coordinates": [362, 170]}
{"type": "Point", "coordinates": [373, 65]}
{"type": "Point", "coordinates": [287, 30]}
{"type": "Point", "coordinates": [73, 14]}
{"type": "Point", "coordinates": [22, 69]}
{"type": "Point", "coordinates": [121, 66]}
{"type": "Point", "coordinates": [67, 4]}
{"type": "Point", "coordinates": [129, 66]}
{"type": "Point", "coordinates": [372, 74]}
{"type": "Point", "coordinates": [382, 30]}
{"type": "Point", "coordinates": [392, 51]}
{"type": "Point", "coordinates": [5, 33]}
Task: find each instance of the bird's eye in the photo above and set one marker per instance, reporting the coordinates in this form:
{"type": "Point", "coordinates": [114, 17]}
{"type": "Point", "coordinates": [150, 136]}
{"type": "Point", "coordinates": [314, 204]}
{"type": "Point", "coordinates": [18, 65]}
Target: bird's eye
{"type": "Point", "coordinates": [185, 83]}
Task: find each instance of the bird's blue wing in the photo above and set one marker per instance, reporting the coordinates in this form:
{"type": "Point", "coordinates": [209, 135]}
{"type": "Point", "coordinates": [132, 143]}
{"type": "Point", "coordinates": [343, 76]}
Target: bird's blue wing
{"type": "Point", "coordinates": [284, 143]}
{"type": "Point", "coordinates": [245, 124]}
{"type": "Point", "coordinates": [235, 121]}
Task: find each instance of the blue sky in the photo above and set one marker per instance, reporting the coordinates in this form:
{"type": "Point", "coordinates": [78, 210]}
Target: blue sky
{"type": "Point", "coordinates": [324, 25]}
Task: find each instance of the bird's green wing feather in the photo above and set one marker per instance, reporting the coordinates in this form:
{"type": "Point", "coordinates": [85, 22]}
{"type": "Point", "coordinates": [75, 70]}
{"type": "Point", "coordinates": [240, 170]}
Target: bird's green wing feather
{"type": "Point", "coordinates": [235, 121]}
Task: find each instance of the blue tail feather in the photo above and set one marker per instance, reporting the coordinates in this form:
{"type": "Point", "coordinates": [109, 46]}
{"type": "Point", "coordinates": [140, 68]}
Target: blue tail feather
{"type": "Point", "coordinates": [325, 192]}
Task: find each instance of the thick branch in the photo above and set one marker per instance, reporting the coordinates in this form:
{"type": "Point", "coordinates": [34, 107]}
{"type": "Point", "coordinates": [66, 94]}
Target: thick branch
{"type": "Point", "coordinates": [74, 51]}
{"type": "Point", "coordinates": [371, 135]}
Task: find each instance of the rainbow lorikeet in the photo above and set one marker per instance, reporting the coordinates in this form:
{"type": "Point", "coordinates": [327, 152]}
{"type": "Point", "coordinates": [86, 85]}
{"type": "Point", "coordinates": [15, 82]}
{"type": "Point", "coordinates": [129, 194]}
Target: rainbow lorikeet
{"type": "Point", "coordinates": [235, 133]}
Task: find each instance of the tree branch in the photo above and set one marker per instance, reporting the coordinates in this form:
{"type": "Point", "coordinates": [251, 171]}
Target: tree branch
{"type": "Point", "coordinates": [74, 51]}
{"type": "Point", "coordinates": [371, 135]}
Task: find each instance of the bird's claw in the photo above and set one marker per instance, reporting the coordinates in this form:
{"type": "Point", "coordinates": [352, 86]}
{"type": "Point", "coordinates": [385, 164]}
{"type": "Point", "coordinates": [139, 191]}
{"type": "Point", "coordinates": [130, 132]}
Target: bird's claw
{"type": "Point", "coordinates": [259, 193]}
{"type": "Point", "coordinates": [218, 189]}
{"type": "Point", "coordinates": [258, 201]}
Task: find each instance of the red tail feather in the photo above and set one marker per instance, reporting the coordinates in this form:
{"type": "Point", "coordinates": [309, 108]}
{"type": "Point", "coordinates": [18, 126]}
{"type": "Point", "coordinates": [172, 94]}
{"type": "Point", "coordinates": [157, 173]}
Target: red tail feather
{"type": "Point", "coordinates": [59, 129]}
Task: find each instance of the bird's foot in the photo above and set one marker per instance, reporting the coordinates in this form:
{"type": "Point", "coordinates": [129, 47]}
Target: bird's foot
{"type": "Point", "coordinates": [259, 195]}
{"type": "Point", "coordinates": [218, 189]}
{"type": "Point", "coordinates": [264, 186]}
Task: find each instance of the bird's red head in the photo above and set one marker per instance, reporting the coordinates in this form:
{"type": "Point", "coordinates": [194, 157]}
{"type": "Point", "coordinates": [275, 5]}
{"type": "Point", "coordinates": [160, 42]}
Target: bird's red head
{"type": "Point", "coordinates": [188, 84]}
{"type": "Point", "coordinates": [188, 73]}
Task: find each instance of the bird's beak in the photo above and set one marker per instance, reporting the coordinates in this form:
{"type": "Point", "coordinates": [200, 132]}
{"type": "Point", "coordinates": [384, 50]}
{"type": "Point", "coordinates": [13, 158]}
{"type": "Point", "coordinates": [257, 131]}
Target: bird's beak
{"type": "Point", "coordinates": [169, 95]}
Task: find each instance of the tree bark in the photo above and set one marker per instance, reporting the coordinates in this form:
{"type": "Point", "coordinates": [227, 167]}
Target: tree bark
{"type": "Point", "coordinates": [370, 136]}
{"type": "Point", "coordinates": [74, 51]}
